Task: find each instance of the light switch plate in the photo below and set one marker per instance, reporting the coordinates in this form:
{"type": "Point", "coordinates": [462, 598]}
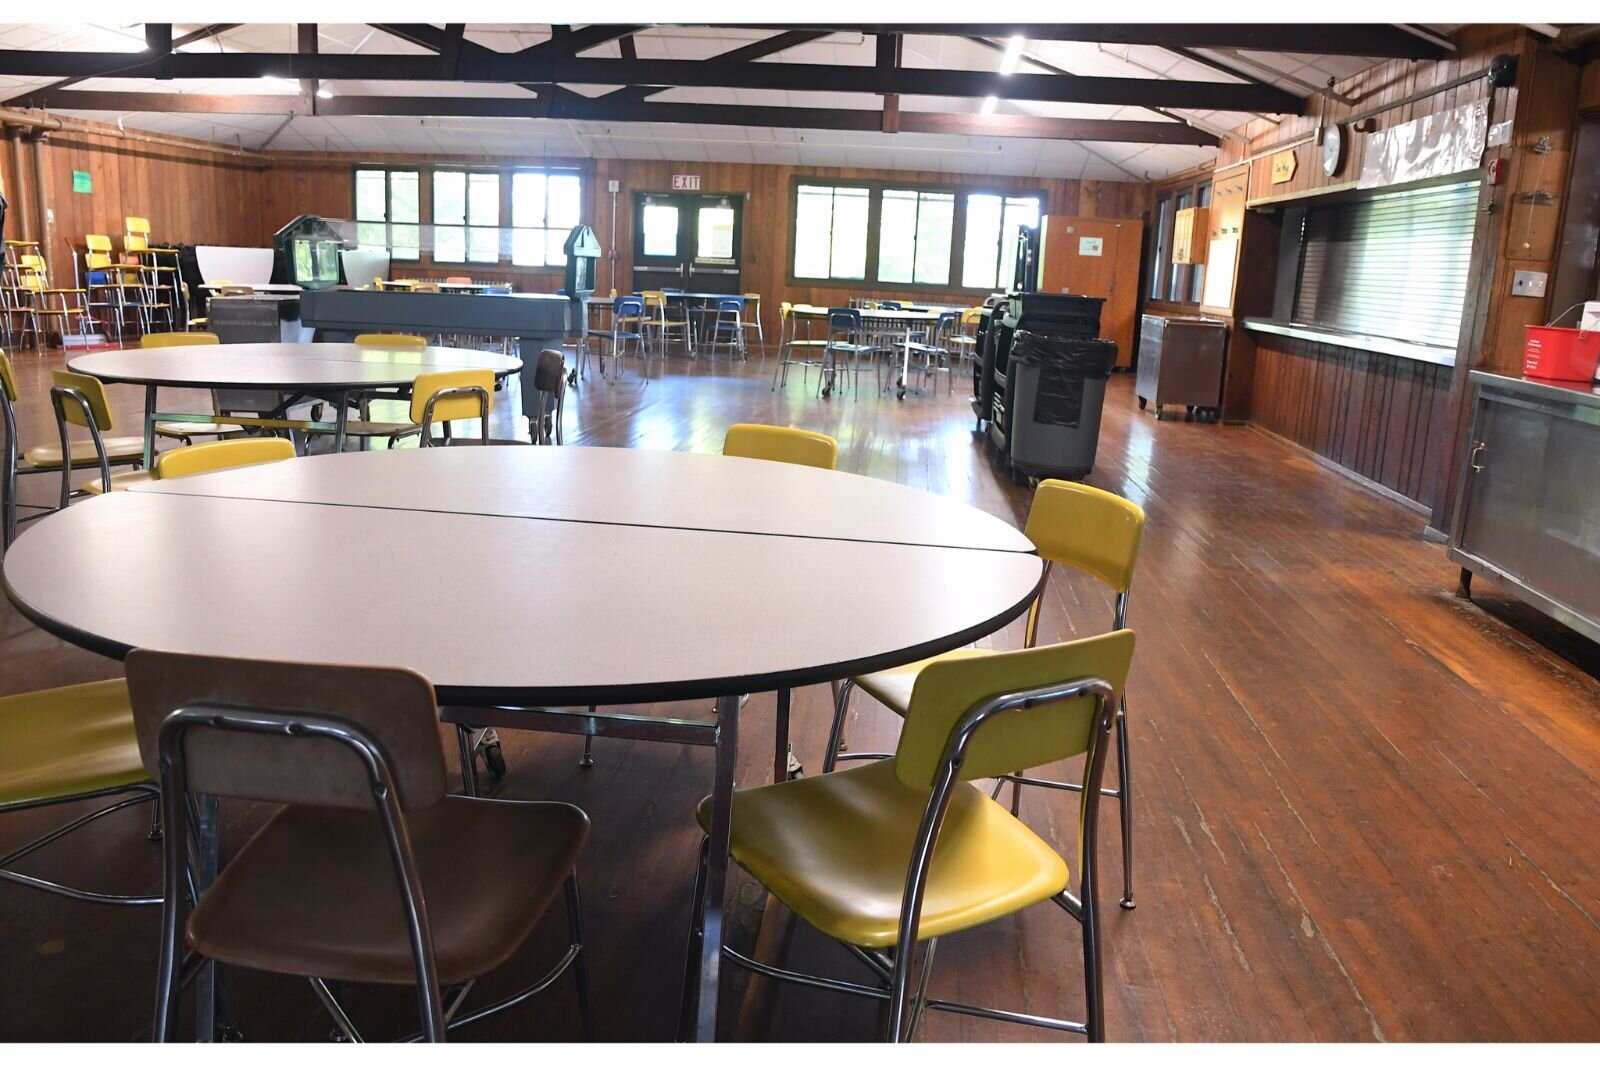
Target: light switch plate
{"type": "Point", "coordinates": [1528, 283]}
{"type": "Point", "coordinates": [613, 185]}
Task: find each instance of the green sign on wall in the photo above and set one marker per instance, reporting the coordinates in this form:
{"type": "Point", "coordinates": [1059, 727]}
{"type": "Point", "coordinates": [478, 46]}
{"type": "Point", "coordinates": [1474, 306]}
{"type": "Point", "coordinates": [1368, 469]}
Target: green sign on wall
{"type": "Point", "coordinates": [81, 182]}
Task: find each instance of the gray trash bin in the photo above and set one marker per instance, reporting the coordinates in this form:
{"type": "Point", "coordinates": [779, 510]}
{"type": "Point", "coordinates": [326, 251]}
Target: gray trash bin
{"type": "Point", "coordinates": [1055, 390]}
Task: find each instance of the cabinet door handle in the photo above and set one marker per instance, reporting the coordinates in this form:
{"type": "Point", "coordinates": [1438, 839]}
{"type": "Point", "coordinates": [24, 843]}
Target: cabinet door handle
{"type": "Point", "coordinates": [1472, 460]}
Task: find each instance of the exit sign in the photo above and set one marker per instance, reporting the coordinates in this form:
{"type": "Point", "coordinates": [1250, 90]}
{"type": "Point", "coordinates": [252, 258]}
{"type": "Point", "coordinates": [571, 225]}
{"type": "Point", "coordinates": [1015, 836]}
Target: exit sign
{"type": "Point", "coordinates": [686, 181]}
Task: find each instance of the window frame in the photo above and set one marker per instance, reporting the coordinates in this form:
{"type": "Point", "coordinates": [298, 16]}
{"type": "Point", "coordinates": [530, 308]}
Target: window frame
{"type": "Point", "coordinates": [466, 225]}
{"type": "Point", "coordinates": [425, 171]}
{"type": "Point", "coordinates": [510, 214]}
{"type": "Point", "coordinates": [875, 190]}
{"type": "Point", "coordinates": [1165, 276]}
{"type": "Point", "coordinates": [388, 222]}
{"type": "Point", "coordinates": [1000, 251]}
{"type": "Point", "coordinates": [918, 192]}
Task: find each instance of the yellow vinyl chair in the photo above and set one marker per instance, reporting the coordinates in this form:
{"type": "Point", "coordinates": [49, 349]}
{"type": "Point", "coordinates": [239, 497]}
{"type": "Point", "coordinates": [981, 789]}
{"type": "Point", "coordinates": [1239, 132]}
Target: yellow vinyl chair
{"type": "Point", "coordinates": [907, 850]}
{"type": "Point", "coordinates": [187, 431]}
{"type": "Point", "coordinates": [80, 400]}
{"type": "Point", "coordinates": [391, 340]}
{"type": "Point", "coordinates": [436, 399]}
{"type": "Point", "coordinates": [45, 458]}
{"type": "Point", "coordinates": [222, 455]}
{"type": "Point", "coordinates": [64, 745]}
{"type": "Point", "coordinates": [781, 444]}
{"type": "Point", "coordinates": [1075, 525]}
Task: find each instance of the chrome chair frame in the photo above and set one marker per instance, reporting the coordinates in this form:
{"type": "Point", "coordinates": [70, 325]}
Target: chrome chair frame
{"type": "Point", "coordinates": [9, 503]}
{"type": "Point", "coordinates": [624, 307]}
{"type": "Point", "coordinates": [425, 427]}
{"type": "Point", "coordinates": [728, 318]}
{"type": "Point", "coordinates": [845, 322]}
{"type": "Point", "coordinates": [895, 971]}
{"type": "Point", "coordinates": [837, 749]}
{"type": "Point", "coordinates": [141, 793]}
{"type": "Point", "coordinates": [788, 341]}
{"type": "Point", "coordinates": [174, 973]}
{"type": "Point", "coordinates": [59, 395]}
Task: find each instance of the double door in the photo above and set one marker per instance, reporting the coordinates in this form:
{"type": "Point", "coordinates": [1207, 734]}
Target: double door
{"type": "Point", "coordinates": [687, 241]}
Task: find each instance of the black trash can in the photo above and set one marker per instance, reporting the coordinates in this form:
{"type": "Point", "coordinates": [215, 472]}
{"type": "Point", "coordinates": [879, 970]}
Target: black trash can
{"type": "Point", "coordinates": [1055, 388]}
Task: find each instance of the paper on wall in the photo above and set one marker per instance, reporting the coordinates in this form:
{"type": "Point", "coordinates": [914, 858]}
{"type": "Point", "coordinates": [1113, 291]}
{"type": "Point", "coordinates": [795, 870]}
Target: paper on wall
{"type": "Point", "coordinates": [1221, 256]}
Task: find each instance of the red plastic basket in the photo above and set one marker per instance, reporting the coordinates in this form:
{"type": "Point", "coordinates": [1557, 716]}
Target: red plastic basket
{"type": "Point", "coordinates": [1555, 353]}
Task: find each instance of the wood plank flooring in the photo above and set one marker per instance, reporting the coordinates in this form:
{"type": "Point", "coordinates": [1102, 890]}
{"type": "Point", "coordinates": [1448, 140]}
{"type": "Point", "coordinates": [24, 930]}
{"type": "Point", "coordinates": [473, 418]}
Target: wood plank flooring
{"type": "Point", "coordinates": [1365, 810]}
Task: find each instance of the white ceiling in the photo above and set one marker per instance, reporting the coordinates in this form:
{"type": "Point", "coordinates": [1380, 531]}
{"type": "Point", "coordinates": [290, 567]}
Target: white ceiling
{"type": "Point", "coordinates": [558, 137]}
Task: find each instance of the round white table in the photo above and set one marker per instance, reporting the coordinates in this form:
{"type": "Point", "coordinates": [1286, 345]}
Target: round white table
{"type": "Point", "coordinates": [566, 576]}
{"type": "Point", "coordinates": [332, 372]}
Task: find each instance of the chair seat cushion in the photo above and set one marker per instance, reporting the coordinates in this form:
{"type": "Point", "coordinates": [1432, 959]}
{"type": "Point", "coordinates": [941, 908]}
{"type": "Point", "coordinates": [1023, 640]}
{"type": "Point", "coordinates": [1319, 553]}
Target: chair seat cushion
{"type": "Point", "coordinates": [835, 849]}
{"type": "Point", "coordinates": [118, 450]}
{"type": "Point", "coordinates": [892, 688]}
{"type": "Point", "coordinates": [314, 893]}
{"type": "Point", "coordinates": [119, 482]}
{"type": "Point", "coordinates": [67, 742]}
{"type": "Point", "coordinates": [197, 429]}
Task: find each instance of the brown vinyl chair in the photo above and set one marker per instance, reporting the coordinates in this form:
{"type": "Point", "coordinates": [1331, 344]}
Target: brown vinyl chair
{"type": "Point", "coordinates": [550, 397]}
{"type": "Point", "coordinates": [370, 873]}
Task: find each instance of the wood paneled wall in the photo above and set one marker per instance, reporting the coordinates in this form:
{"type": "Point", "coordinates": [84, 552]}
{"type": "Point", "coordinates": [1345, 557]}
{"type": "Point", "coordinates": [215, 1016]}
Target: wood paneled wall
{"type": "Point", "coordinates": [325, 186]}
{"type": "Point", "coordinates": [1372, 414]}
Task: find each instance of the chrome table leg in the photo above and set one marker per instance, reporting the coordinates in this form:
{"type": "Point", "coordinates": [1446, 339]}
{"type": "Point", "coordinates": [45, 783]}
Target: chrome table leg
{"type": "Point", "coordinates": [717, 866]}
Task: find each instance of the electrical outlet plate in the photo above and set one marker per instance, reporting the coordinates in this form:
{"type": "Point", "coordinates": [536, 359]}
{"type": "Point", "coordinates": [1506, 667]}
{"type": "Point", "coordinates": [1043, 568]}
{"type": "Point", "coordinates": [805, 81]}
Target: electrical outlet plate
{"type": "Point", "coordinates": [613, 185]}
{"type": "Point", "coordinates": [1528, 283]}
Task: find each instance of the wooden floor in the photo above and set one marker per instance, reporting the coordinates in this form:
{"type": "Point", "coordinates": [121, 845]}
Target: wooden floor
{"type": "Point", "coordinates": [1365, 810]}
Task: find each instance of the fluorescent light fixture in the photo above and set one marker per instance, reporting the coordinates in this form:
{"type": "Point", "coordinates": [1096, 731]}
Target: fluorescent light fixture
{"type": "Point", "coordinates": [324, 93]}
{"type": "Point", "coordinates": [989, 104]}
{"type": "Point", "coordinates": [1013, 56]}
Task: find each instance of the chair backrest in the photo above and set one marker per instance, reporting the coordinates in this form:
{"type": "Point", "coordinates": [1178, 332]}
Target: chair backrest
{"type": "Point", "coordinates": [136, 225]}
{"type": "Point", "coordinates": [753, 299]}
{"type": "Point", "coordinates": [450, 408]}
{"type": "Point", "coordinates": [781, 444]}
{"type": "Point", "coordinates": [457, 279]}
{"type": "Point", "coordinates": [220, 455]}
{"type": "Point", "coordinates": [627, 305]}
{"type": "Point", "coordinates": [946, 690]}
{"type": "Point", "coordinates": [843, 320]}
{"type": "Point", "coordinates": [97, 242]}
{"type": "Point", "coordinates": [96, 260]}
{"type": "Point", "coordinates": [8, 380]}
{"type": "Point", "coordinates": [888, 305]}
{"type": "Point", "coordinates": [178, 340]}
{"type": "Point", "coordinates": [235, 290]}
{"type": "Point", "coordinates": [93, 391]}
{"type": "Point", "coordinates": [734, 304]}
{"type": "Point", "coordinates": [1088, 529]}
{"type": "Point", "coordinates": [550, 372]}
{"type": "Point", "coordinates": [394, 708]}
{"type": "Point", "coordinates": [972, 316]}
{"type": "Point", "coordinates": [392, 340]}
{"type": "Point", "coordinates": [425, 286]}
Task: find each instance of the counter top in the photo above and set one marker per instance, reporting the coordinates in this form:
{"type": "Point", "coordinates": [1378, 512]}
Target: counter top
{"type": "Point", "coordinates": [1424, 353]}
{"type": "Point", "coordinates": [1558, 391]}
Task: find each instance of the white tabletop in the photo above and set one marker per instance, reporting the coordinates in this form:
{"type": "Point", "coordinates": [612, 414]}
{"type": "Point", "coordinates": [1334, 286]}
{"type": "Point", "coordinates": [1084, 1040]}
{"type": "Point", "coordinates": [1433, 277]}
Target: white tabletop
{"type": "Point", "coordinates": [269, 288]}
{"type": "Point", "coordinates": [283, 365]}
{"type": "Point", "coordinates": [496, 606]}
{"type": "Point", "coordinates": [812, 311]}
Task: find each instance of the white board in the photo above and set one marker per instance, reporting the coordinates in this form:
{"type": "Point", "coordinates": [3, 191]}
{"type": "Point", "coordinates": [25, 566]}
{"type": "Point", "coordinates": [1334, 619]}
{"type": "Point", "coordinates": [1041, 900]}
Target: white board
{"type": "Point", "coordinates": [1221, 255]}
{"type": "Point", "coordinates": [239, 266]}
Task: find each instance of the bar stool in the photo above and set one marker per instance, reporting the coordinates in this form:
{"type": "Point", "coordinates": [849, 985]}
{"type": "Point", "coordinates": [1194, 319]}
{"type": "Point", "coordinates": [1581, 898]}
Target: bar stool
{"type": "Point", "coordinates": [752, 303]}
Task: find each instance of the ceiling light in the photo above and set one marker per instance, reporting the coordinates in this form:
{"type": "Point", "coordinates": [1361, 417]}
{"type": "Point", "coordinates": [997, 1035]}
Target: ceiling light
{"type": "Point", "coordinates": [1013, 56]}
{"type": "Point", "coordinates": [989, 104]}
{"type": "Point", "coordinates": [325, 93]}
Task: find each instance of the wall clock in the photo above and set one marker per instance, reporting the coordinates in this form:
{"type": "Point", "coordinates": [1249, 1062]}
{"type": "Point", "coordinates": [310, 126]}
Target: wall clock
{"type": "Point", "coordinates": [1332, 149]}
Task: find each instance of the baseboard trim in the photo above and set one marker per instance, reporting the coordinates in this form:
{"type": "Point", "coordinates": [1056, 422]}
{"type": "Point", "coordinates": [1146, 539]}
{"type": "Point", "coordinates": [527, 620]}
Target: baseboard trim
{"type": "Point", "coordinates": [1365, 482]}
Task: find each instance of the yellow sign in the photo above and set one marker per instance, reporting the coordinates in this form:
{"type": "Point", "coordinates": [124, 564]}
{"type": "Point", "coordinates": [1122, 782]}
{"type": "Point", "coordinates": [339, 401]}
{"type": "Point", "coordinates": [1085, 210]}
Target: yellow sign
{"type": "Point", "coordinates": [1283, 165]}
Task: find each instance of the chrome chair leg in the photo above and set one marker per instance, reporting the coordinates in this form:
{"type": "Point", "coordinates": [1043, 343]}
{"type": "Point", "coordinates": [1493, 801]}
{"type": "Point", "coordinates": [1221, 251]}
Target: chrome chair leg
{"type": "Point", "coordinates": [1125, 802]}
{"type": "Point", "coordinates": [580, 964]}
{"type": "Point", "coordinates": [836, 742]}
{"type": "Point", "coordinates": [688, 1004]}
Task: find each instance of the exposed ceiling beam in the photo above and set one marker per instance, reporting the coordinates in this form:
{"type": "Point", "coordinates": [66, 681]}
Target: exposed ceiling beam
{"type": "Point", "coordinates": [1217, 65]}
{"type": "Point", "coordinates": [606, 109]}
{"type": "Point", "coordinates": [158, 38]}
{"type": "Point", "coordinates": [1324, 38]}
{"type": "Point", "coordinates": [189, 38]}
{"type": "Point", "coordinates": [482, 66]}
{"type": "Point", "coordinates": [570, 42]}
{"type": "Point", "coordinates": [743, 54]}
{"type": "Point", "coordinates": [305, 44]}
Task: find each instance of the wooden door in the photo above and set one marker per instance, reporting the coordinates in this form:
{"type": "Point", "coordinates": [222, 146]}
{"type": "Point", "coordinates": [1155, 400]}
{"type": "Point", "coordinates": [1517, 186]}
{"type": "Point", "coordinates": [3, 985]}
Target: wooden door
{"type": "Point", "coordinates": [1096, 257]}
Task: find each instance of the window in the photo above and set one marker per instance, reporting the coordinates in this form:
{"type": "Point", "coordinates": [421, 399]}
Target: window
{"type": "Point", "coordinates": [1178, 273]}
{"type": "Point", "coordinates": [1160, 248]}
{"type": "Point", "coordinates": [830, 232]}
{"type": "Point", "coordinates": [545, 205]}
{"type": "Point", "coordinates": [991, 237]}
{"type": "Point", "coordinates": [388, 212]}
{"type": "Point", "coordinates": [1392, 265]}
{"type": "Point", "coordinates": [715, 238]}
{"type": "Point", "coordinates": [914, 234]}
{"type": "Point", "coordinates": [466, 216]}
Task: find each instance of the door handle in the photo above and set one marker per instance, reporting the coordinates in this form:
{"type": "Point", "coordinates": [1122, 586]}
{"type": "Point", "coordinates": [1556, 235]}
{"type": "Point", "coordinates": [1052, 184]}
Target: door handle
{"type": "Point", "coordinates": [1472, 460]}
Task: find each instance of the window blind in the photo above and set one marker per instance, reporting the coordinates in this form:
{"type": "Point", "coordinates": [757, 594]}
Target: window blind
{"type": "Point", "coordinates": [1394, 265]}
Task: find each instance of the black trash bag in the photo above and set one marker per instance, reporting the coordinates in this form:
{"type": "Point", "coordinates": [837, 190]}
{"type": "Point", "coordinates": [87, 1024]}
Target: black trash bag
{"type": "Point", "coordinates": [1066, 362]}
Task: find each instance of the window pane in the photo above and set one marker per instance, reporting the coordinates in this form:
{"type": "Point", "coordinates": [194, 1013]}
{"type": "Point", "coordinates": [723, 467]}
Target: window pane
{"type": "Point", "coordinates": [1205, 195]}
{"type": "Point", "coordinates": [849, 256]}
{"type": "Point", "coordinates": [566, 200]}
{"type": "Point", "coordinates": [449, 197]}
{"type": "Point", "coordinates": [483, 199]}
{"type": "Point", "coordinates": [372, 236]}
{"type": "Point", "coordinates": [403, 196]}
{"type": "Point", "coordinates": [527, 247]}
{"type": "Point", "coordinates": [449, 244]}
{"type": "Point", "coordinates": [660, 229]}
{"type": "Point", "coordinates": [897, 235]}
{"type": "Point", "coordinates": [715, 239]}
{"type": "Point", "coordinates": [527, 198]}
{"type": "Point", "coordinates": [483, 244]}
{"type": "Point", "coordinates": [935, 230]}
{"type": "Point", "coordinates": [406, 240]}
{"type": "Point", "coordinates": [813, 221]}
{"type": "Point", "coordinates": [1158, 246]}
{"type": "Point", "coordinates": [980, 252]}
{"type": "Point", "coordinates": [1197, 282]}
{"type": "Point", "coordinates": [372, 192]}
{"type": "Point", "coordinates": [554, 239]}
